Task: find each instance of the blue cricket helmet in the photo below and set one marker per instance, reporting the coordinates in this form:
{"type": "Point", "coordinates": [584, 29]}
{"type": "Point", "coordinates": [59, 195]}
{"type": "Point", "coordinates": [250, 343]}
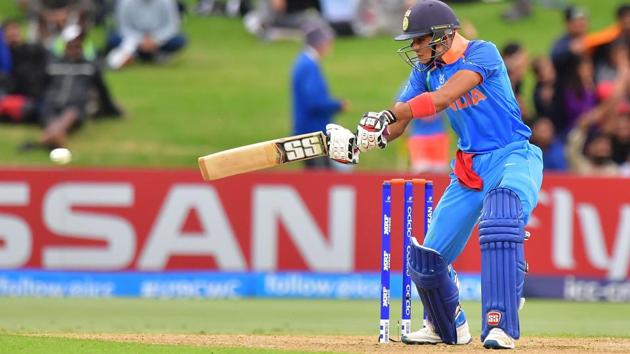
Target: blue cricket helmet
{"type": "Point", "coordinates": [427, 17]}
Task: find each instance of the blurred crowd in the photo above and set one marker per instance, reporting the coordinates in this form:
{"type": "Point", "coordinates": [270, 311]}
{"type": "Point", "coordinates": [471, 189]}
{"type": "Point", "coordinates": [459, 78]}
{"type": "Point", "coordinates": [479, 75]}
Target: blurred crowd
{"type": "Point", "coordinates": [51, 72]}
{"type": "Point", "coordinates": [581, 115]}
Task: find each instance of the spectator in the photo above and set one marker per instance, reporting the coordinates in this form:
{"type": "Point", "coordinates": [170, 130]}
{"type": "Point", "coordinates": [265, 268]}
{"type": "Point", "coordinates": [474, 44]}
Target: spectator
{"type": "Point", "coordinates": [5, 55]}
{"type": "Point", "coordinates": [517, 63]}
{"type": "Point", "coordinates": [598, 43]}
{"type": "Point", "coordinates": [620, 137]}
{"type": "Point", "coordinates": [543, 136]}
{"type": "Point", "coordinates": [313, 107]}
{"type": "Point", "coordinates": [230, 8]}
{"type": "Point", "coordinates": [5, 71]}
{"type": "Point", "coordinates": [282, 19]}
{"type": "Point", "coordinates": [65, 102]}
{"type": "Point", "coordinates": [580, 95]}
{"type": "Point", "coordinates": [50, 17]}
{"type": "Point", "coordinates": [105, 105]}
{"type": "Point", "coordinates": [147, 29]}
{"type": "Point", "coordinates": [565, 53]}
{"type": "Point", "coordinates": [26, 81]}
{"type": "Point", "coordinates": [593, 156]}
{"type": "Point", "coordinates": [608, 70]}
{"type": "Point", "coordinates": [545, 77]}
{"type": "Point", "coordinates": [519, 10]}
{"type": "Point", "coordinates": [428, 145]}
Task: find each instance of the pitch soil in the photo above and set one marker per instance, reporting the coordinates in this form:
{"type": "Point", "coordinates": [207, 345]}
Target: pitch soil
{"type": "Point", "coordinates": [355, 344]}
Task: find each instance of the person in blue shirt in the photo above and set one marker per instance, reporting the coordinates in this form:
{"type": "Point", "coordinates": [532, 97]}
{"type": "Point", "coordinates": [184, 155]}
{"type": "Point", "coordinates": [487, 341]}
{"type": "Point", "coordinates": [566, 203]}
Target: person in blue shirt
{"type": "Point", "coordinates": [5, 56]}
{"type": "Point", "coordinates": [497, 174]}
{"type": "Point", "coordinates": [428, 145]}
{"type": "Point", "coordinates": [313, 106]}
{"type": "Point", "coordinates": [544, 136]}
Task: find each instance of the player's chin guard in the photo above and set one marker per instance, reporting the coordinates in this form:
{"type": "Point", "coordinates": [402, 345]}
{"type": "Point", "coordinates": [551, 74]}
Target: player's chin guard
{"type": "Point", "coordinates": [503, 267]}
{"type": "Point", "coordinates": [427, 17]}
{"type": "Point", "coordinates": [438, 292]}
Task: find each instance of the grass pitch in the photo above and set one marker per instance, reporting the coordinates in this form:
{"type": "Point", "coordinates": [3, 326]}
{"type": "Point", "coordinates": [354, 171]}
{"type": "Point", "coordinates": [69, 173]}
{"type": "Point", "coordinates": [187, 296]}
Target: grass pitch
{"type": "Point", "coordinates": [189, 326]}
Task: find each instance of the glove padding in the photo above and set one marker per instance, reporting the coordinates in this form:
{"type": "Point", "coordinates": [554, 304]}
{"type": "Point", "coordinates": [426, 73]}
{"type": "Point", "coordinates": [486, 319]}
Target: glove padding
{"type": "Point", "coordinates": [372, 130]}
{"type": "Point", "coordinates": [342, 145]}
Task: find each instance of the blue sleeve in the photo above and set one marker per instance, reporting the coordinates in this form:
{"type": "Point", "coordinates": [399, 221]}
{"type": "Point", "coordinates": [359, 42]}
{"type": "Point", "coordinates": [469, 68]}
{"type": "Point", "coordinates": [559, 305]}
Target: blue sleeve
{"type": "Point", "coordinates": [484, 59]}
{"type": "Point", "coordinates": [317, 91]}
{"type": "Point", "coordinates": [415, 85]}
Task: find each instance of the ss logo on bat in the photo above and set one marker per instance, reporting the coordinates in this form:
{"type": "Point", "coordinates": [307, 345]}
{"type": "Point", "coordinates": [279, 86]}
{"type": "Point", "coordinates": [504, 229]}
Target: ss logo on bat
{"type": "Point", "coordinates": [303, 148]}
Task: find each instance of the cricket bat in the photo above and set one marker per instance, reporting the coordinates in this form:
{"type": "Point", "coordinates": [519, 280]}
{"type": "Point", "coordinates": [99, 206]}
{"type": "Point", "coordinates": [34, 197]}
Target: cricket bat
{"type": "Point", "coordinates": [262, 155]}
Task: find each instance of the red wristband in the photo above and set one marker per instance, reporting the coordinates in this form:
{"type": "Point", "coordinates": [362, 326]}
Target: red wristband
{"type": "Point", "coordinates": [422, 106]}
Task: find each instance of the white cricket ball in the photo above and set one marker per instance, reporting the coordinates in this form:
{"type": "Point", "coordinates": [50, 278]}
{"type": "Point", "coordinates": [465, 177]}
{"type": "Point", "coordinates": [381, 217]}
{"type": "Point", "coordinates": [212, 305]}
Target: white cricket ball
{"type": "Point", "coordinates": [60, 156]}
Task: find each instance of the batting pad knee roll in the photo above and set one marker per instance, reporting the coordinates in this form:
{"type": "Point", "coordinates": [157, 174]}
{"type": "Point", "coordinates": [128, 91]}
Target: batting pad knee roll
{"type": "Point", "coordinates": [438, 292]}
{"type": "Point", "coordinates": [501, 236]}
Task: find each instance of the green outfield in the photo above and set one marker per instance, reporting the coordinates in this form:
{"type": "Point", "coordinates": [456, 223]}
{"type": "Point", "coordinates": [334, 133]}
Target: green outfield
{"type": "Point", "coordinates": [229, 89]}
{"type": "Point", "coordinates": [23, 320]}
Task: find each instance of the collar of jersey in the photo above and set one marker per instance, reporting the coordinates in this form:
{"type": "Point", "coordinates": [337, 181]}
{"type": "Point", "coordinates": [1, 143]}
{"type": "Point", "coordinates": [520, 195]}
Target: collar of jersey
{"type": "Point", "coordinates": [456, 50]}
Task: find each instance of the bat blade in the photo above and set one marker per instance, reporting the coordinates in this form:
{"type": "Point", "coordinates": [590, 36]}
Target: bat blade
{"type": "Point", "coordinates": [263, 155]}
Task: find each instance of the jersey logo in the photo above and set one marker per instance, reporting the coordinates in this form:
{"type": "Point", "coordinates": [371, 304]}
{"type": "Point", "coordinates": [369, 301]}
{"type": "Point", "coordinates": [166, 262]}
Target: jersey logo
{"type": "Point", "coordinates": [471, 98]}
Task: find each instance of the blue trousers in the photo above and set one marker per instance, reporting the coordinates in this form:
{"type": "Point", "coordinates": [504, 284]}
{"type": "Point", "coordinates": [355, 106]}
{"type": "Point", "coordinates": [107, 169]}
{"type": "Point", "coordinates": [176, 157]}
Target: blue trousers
{"type": "Point", "coordinates": [517, 166]}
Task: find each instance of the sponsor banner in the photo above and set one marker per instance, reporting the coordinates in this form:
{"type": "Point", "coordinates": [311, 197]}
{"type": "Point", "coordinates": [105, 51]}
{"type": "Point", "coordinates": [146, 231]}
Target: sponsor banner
{"type": "Point", "coordinates": [578, 289]}
{"type": "Point", "coordinates": [323, 222]}
{"type": "Point", "coordinates": [207, 285]}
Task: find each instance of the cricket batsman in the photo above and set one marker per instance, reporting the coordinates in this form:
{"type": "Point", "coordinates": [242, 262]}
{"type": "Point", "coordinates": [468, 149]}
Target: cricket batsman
{"type": "Point", "coordinates": [495, 180]}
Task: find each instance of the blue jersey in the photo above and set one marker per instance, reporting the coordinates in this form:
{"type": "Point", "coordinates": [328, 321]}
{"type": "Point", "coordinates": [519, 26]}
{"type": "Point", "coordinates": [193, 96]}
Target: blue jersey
{"type": "Point", "coordinates": [487, 117]}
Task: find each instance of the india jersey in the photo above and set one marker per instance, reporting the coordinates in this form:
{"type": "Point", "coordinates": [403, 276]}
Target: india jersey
{"type": "Point", "coordinates": [487, 117]}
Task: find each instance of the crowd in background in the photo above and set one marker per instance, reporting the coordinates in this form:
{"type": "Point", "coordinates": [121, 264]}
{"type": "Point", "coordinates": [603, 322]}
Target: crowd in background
{"type": "Point", "coordinates": [581, 116]}
{"type": "Point", "coordinates": [52, 74]}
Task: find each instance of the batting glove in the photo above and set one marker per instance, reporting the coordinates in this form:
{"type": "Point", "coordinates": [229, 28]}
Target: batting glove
{"type": "Point", "coordinates": [342, 145]}
{"type": "Point", "coordinates": [372, 130]}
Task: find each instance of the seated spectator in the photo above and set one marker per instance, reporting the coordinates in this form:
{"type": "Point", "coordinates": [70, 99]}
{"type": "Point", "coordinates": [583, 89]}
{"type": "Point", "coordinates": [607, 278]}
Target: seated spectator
{"type": "Point", "coordinates": [5, 55]}
{"type": "Point", "coordinates": [148, 30]}
{"type": "Point", "coordinates": [65, 102]}
{"type": "Point", "coordinates": [545, 77]}
{"type": "Point", "coordinates": [590, 156]}
{"type": "Point", "coordinates": [50, 17]}
{"type": "Point", "coordinates": [282, 19]}
{"type": "Point", "coordinates": [105, 105]}
{"type": "Point", "coordinates": [580, 94]}
{"type": "Point", "coordinates": [230, 8]}
{"type": "Point", "coordinates": [565, 52]}
{"type": "Point", "coordinates": [620, 137]}
{"type": "Point", "coordinates": [26, 81]}
{"type": "Point", "coordinates": [5, 71]}
{"type": "Point", "coordinates": [543, 136]}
